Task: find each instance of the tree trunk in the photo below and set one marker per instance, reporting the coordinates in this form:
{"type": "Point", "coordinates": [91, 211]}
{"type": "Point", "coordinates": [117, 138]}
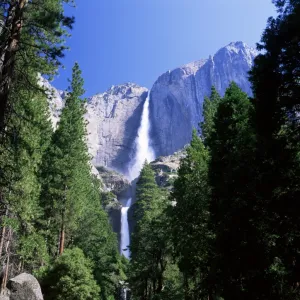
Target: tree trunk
{"type": "Point", "coordinates": [13, 25]}
{"type": "Point", "coordinates": [5, 277]}
{"type": "Point", "coordinates": [7, 250]}
{"type": "Point", "coordinates": [3, 235]}
{"type": "Point", "coordinates": [62, 239]}
{"type": "Point", "coordinates": [160, 284]}
{"type": "Point", "coordinates": [2, 240]}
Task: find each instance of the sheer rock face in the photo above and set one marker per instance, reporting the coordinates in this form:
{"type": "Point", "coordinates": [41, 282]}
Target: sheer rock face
{"type": "Point", "coordinates": [55, 100]}
{"type": "Point", "coordinates": [113, 120]}
{"type": "Point", "coordinates": [177, 96]}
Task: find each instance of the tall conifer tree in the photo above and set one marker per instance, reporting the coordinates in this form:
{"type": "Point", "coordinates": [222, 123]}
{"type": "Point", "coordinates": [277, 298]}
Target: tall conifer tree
{"type": "Point", "coordinates": [150, 242]}
{"type": "Point", "coordinates": [66, 165]}
{"type": "Point", "coordinates": [28, 133]}
{"type": "Point", "coordinates": [210, 106]}
{"type": "Point", "coordinates": [275, 79]}
{"type": "Point", "coordinates": [189, 218]}
{"type": "Point", "coordinates": [232, 207]}
{"type": "Point", "coordinates": [34, 31]}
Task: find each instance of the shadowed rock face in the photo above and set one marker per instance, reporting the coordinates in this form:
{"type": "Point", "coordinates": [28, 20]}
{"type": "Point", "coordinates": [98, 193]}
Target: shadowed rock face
{"type": "Point", "coordinates": [177, 96]}
{"type": "Point", "coordinates": [113, 120]}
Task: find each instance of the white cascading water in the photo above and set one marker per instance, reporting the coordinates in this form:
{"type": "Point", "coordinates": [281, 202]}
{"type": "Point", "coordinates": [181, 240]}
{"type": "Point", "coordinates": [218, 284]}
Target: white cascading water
{"type": "Point", "coordinates": [125, 228]}
{"type": "Point", "coordinates": [143, 152]}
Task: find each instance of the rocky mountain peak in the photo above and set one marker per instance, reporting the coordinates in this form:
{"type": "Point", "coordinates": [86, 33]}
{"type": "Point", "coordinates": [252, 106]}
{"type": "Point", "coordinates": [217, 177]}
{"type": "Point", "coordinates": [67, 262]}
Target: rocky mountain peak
{"type": "Point", "coordinates": [237, 50]}
{"type": "Point", "coordinates": [177, 96]}
{"type": "Point", "coordinates": [124, 88]}
{"type": "Point", "coordinates": [193, 67]}
{"type": "Point", "coordinates": [237, 46]}
{"type": "Point", "coordinates": [120, 92]}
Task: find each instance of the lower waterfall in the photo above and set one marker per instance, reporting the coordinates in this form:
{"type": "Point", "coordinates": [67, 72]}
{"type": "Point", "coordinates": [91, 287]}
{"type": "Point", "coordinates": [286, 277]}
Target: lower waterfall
{"type": "Point", "coordinates": [143, 152]}
{"type": "Point", "coordinates": [125, 239]}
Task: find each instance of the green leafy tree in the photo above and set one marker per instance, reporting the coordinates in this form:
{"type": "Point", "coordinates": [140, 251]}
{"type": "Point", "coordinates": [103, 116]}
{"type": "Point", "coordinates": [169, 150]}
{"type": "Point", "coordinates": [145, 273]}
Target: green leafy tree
{"type": "Point", "coordinates": [70, 278]}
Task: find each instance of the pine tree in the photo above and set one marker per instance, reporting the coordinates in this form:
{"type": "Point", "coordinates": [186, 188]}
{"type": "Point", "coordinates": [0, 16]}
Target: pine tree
{"type": "Point", "coordinates": [150, 244]}
{"type": "Point", "coordinates": [210, 106]}
{"type": "Point", "coordinates": [190, 219]}
{"type": "Point", "coordinates": [35, 32]}
{"type": "Point", "coordinates": [236, 253]}
{"type": "Point", "coordinates": [95, 237]}
{"type": "Point", "coordinates": [71, 200]}
{"type": "Point", "coordinates": [275, 79]}
{"type": "Point", "coordinates": [28, 135]}
{"type": "Point", "coordinates": [66, 168]}
{"type": "Point", "coordinates": [31, 43]}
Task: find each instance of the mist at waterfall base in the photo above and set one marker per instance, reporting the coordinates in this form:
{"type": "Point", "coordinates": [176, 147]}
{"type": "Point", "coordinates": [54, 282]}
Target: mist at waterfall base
{"type": "Point", "coordinates": [143, 152]}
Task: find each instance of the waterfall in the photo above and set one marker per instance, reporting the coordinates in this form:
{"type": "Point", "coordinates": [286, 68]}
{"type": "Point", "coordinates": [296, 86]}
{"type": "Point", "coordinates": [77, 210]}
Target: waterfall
{"type": "Point", "coordinates": [143, 151]}
{"type": "Point", "coordinates": [125, 228]}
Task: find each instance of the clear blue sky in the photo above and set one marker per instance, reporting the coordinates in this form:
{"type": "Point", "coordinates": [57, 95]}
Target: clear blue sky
{"type": "Point", "coordinates": [117, 41]}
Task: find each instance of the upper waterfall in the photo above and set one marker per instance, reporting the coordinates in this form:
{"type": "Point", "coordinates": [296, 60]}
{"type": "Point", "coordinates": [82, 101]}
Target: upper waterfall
{"type": "Point", "coordinates": [143, 149]}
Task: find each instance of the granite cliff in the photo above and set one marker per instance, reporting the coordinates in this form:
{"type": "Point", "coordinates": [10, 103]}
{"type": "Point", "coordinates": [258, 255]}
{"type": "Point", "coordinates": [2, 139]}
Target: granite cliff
{"type": "Point", "coordinates": [176, 100]}
{"type": "Point", "coordinates": [177, 96]}
{"type": "Point", "coordinates": [113, 120]}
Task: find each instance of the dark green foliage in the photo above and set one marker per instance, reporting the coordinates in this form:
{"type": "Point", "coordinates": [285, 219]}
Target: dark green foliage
{"type": "Point", "coordinates": [146, 191]}
{"type": "Point", "coordinates": [253, 177]}
{"type": "Point", "coordinates": [232, 204]}
{"type": "Point", "coordinates": [48, 195]}
{"type": "Point", "coordinates": [275, 79]}
{"type": "Point", "coordinates": [66, 169]}
{"type": "Point", "coordinates": [70, 278]}
{"type": "Point", "coordinates": [28, 134]}
{"type": "Point", "coordinates": [31, 40]}
{"type": "Point", "coordinates": [71, 197]}
{"type": "Point", "coordinates": [95, 237]}
{"type": "Point", "coordinates": [150, 265]}
{"type": "Point", "coordinates": [210, 106]}
{"type": "Point", "coordinates": [189, 218]}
